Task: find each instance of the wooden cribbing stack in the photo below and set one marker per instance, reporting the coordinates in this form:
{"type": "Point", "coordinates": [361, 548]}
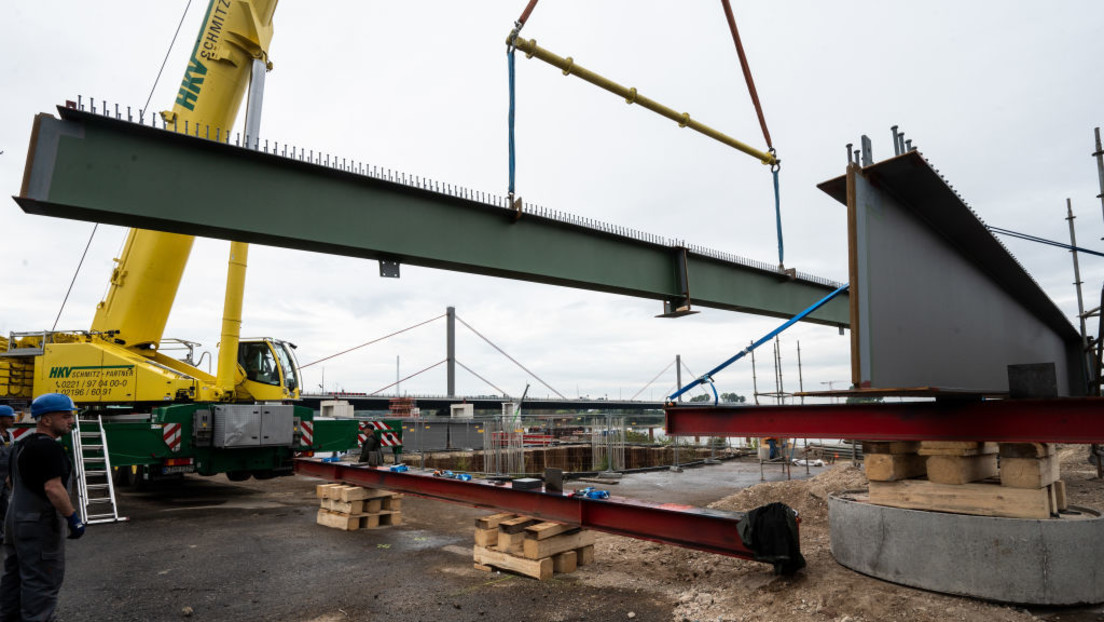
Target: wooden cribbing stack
{"type": "Point", "coordinates": [962, 477]}
{"type": "Point", "coordinates": [351, 507]}
{"type": "Point", "coordinates": [530, 547]}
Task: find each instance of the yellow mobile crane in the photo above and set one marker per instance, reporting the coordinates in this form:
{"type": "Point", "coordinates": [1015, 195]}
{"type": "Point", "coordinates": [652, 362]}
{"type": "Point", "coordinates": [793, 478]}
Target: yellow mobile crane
{"type": "Point", "coordinates": [118, 365]}
{"type": "Point", "coordinates": [118, 360]}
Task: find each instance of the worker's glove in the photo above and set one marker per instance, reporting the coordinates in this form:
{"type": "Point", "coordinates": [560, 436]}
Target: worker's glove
{"type": "Point", "coordinates": [76, 527]}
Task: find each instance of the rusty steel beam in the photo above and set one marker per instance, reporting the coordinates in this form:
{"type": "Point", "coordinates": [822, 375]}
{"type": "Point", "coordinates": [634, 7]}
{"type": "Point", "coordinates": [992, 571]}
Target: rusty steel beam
{"type": "Point", "coordinates": [712, 531]}
{"type": "Point", "coordinates": [1073, 420]}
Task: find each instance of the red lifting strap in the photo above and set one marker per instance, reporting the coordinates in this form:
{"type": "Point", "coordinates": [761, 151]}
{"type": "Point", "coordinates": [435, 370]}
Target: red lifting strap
{"type": "Point", "coordinates": [525, 14]}
{"type": "Point", "coordinates": [743, 65]}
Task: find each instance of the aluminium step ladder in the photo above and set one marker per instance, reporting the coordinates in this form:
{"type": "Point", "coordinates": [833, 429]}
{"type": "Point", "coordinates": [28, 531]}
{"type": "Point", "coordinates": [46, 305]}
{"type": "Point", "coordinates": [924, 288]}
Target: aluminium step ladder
{"type": "Point", "coordinates": [92, 467]}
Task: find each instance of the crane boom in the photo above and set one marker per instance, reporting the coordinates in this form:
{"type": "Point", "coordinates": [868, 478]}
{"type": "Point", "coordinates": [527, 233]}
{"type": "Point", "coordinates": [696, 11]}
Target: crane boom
{"type": "Point", "coordinates": [147, 274]}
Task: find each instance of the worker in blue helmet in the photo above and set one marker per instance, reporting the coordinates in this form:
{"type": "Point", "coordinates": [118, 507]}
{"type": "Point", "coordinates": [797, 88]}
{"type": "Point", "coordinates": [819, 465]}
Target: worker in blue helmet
{"type": "Point", "coordinates": [7, 420]}
{"type": "Point", "coordinates": [40, 510]}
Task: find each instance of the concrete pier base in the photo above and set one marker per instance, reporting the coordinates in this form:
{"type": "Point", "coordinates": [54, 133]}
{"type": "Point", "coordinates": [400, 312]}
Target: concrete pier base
{"type": "Point", "coordinates": [1058, 561]}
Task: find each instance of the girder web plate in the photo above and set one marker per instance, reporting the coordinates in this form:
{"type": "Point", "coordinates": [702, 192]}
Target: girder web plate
{"type": "Point", "coordinates": [936, 300]}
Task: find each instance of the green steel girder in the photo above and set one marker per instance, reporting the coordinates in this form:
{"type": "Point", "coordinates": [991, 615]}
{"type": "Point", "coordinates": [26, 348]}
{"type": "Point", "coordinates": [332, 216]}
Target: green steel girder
{"type": "Point", "coordinates": [91, 167]}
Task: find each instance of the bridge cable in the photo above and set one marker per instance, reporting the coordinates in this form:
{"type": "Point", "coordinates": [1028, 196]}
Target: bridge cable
{"type": "Point", "coordinates": [167, 52]}
{"type": "Point", "coordinates": [688, 371]}
{"type": "Point", "coordinates": [512, 359]}
{"type": "Point", "coordinates": [472, 372]}
{"type": "Point", "coordinates": [409, 377]}
{"type": "Point", "coordinates": [75, 273]}
{"type": "Point", "coordinates": [645, 387]}
{"type": "Point", "coordinates": [368, 343]}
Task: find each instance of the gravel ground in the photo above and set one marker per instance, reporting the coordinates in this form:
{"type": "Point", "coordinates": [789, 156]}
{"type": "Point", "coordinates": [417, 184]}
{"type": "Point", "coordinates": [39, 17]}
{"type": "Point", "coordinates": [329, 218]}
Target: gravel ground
{"type": "Point", "coordinates": [209, 549]}
{"type": "Point", "coordinates": [251, 551]}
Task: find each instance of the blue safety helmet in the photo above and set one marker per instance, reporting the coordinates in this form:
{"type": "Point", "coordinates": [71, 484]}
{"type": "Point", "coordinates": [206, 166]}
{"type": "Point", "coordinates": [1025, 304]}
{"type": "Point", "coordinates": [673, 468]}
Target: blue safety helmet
{"type": "Point", "coordinates": [51, 403]}
{"type": "Point", "coordinates": [6, 411]}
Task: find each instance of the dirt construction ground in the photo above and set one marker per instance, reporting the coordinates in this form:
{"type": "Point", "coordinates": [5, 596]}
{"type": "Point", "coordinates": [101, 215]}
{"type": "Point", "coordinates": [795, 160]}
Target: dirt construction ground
{"type": "Point", "coordinates": [208, 549]}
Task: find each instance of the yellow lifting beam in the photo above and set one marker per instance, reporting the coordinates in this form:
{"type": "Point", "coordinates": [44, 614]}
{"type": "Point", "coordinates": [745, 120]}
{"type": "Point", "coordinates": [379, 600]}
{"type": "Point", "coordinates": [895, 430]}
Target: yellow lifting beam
{"type": "Point", "coordinates": [568, 66]}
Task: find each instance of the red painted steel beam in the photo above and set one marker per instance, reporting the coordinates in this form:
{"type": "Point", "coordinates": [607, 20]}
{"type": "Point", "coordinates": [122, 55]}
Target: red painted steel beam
{"type": "Point", "coordinates": [713, 531]}
{"type": "Point", "coordinates": [1073, 420]}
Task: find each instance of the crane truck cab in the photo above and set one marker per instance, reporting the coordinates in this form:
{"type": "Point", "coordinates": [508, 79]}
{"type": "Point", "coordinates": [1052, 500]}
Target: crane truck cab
{"type": "Point", "coordinates": [269, 370]}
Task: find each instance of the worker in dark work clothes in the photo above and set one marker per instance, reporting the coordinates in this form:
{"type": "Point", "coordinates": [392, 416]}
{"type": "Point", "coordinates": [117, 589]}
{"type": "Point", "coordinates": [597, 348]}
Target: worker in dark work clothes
{"type": "Point", "coordinates": [40, 509]}
{"type": "Point", "coordinates": [370, 452]}
{"type": "Point", "coordinates": [7, 420]}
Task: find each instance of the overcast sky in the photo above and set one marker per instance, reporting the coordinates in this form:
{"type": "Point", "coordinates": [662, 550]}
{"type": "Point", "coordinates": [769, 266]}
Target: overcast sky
{"type": "Point", "coordinates": [1001, 97]}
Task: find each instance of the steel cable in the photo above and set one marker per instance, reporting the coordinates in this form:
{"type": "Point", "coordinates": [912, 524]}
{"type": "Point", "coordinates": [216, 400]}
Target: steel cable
{"type": "Point", "coordinates": [75, 273]}
{"type": "Point", "coordinates": [645, 387]}
{"type": "Point", "coordinates": [472, 372]}
{"type": "Point", "coordinates": [512, 359]}
{"type": "Point", "coordinates": [408, 377]}
{"type": "Point", "coordinates": [368, 343]}
{"type": "Point", "coordinates": [167, 52]}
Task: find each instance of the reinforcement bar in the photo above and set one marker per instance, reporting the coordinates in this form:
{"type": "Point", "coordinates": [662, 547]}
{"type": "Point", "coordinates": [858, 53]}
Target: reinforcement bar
{"type": "Point", "coordinates": [713, 531]}
{"type": "Point", "coordinates": [1072, 420]}
{"type": "Point", "coordinates": [568, 66]}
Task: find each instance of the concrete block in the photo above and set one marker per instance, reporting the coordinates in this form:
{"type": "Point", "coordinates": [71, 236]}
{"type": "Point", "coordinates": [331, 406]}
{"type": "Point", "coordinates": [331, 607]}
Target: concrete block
{"type": "Point", "coordinates": [1055, 561]}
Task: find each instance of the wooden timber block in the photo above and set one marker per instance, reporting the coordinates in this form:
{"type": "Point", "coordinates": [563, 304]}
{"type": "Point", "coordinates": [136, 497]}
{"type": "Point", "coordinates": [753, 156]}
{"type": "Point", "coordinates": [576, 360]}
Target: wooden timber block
{"type": "Point", "coordinates": [536, 549]}
{"type": "Point", "coordinates": [585, 555]}
{"type": "Point", "coordinates": [393, 503]}
{"type": "Point", "coordinates": [892, 467]}
{"type": "Point", "coordinates": [354, 493]}
{"type": "Point", "coordinates": [383, 519]}
{"type": "Point", "coordinates": [323, 491]}
{"type": "Point", "coordinates": [486, 537]}
{"type": "Point", "coordinates": [1060, 495]}
{"type": "Point", "coordinates": [541, 531]}
{"type": "Point", "coordinates": [349, 493]}
{"type": "Point", "coordinates": [565, 562]}
{"type": "Point", "coordinates": [978, 499]}
{"type": "Point", "coordinates": [346, 522]}
{"type": "Point", "coordinates": [492, 521]}
{"type": "Point", "coordinates": [1027, 450]}
{"type": "Point", "coordinates": [479, 566]}
{"type": "Point", "coordinates": [956, 448]}
{"type": "Point", "coordinates": [1029, 472]}
{"type": "Point", "coordinates": [516, 525]}
{"type": "Point", "coordinates": [961, 469]}
{"type": "Point", "coordinates": [512, 543]}
{"type": "Point", "coordinates": [540, 569]}
{"type": "Point", "coordinates": [345, 507]}
{"type": "Point", "coordinates": [890, 447]}
{"type": "Point", "coordinates": [380, 493]}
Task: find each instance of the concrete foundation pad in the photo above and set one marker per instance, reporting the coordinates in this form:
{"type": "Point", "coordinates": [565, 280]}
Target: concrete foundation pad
{"type": "Point", "coordinates": [1058, 561]}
